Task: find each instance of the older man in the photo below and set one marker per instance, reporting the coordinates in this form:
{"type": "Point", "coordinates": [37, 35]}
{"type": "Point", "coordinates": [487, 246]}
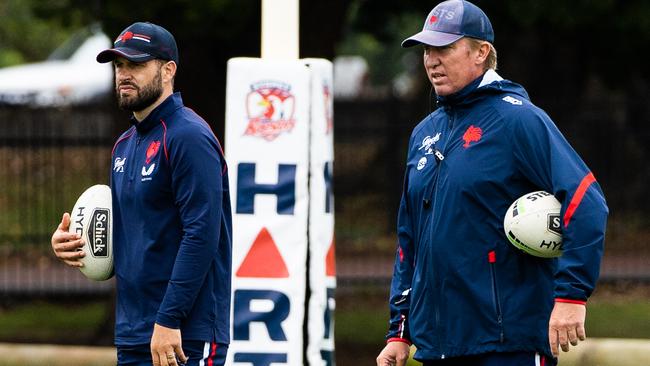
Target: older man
{"type": "Point", "coordinates": [460, 292]}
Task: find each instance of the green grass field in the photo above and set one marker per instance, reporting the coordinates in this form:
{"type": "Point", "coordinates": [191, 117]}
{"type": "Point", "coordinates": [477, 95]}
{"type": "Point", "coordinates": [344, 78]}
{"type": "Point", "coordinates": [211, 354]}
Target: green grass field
{"type": "Point", "coordinates": [361, 321]}
{"type": "Point", "coordinates": [621, 311]}
{"type": "Point", "coordinates": [366, 328]}
{"type": "Point", "coordinates": [58, 323]}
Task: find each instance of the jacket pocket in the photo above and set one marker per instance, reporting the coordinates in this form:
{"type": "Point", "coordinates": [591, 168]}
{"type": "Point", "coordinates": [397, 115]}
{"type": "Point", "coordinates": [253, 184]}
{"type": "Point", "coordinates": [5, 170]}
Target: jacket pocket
{"type": "Point", "coordinates": [492, 259]}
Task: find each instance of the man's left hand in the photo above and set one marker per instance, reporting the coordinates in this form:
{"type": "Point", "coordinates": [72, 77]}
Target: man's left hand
{"type": "Point", "coordinates": [566, 326]}
{"type": "Point", "coordinates": [166, 346]}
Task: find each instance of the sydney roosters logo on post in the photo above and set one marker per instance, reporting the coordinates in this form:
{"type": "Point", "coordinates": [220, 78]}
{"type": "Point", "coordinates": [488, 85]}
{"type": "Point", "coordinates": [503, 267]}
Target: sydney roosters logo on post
{"type": "Point", "coordinates": [473, 134]}
{"type": "Point", "coordinates": [270, 107]}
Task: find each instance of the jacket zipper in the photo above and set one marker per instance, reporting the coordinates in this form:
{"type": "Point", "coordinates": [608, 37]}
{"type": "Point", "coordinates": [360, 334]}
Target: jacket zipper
{"type": "Point", "coordinates": [450, 127]}
{"type": "Point", "coordinates": [133, 169]}
{"type": "Point", "coordinates": [495, 293]}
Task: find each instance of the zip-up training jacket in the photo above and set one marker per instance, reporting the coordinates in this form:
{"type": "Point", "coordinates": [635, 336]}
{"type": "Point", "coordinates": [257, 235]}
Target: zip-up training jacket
{"type": "Point", "coordinates": [459, 287]}
{"type": "Point", "coordinates": [172, 228]}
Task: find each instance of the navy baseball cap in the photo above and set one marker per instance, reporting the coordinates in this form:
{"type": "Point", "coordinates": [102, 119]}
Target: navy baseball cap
{"type": "Point", "coordinates": [141, 42]}
{"type": "Point", "coordinates": [450, 21]}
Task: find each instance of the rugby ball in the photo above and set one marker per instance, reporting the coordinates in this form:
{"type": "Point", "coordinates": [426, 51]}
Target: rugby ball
{"type": "Point", "coordinates": [532, 224]}
{"type": "Point", "coordinates": [92, 218]}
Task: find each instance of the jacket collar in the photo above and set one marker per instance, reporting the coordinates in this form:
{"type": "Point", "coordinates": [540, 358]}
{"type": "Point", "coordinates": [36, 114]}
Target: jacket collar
{"type": "Point", "coordinates": [465, 95]}
{"type": "Point", "coordinates": [161, 112]}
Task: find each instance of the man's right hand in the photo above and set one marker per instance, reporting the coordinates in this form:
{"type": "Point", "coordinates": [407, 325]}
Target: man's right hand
{"type": "Point", "coordinates": [67, 246]}
{"type": "Point", "coordinates": [394, 354]}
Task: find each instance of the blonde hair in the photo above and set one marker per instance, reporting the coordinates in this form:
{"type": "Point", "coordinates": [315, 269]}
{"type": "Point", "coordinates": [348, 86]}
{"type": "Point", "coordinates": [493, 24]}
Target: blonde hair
{"type": "Point", "coordinates": [491, 60]}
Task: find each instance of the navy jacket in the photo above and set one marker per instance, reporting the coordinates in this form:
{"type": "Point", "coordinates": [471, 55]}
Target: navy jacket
{"type": "Point", "coordinates": [459, 288]}
{"type": "Point", "coordinates": [172, 228]}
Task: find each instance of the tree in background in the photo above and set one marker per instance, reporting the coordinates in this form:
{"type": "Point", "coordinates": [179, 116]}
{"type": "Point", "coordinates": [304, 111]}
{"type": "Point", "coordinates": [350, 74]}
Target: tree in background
{"type": "Point", "coordinates": [209, 32]}
{"type": "Point", "coordinates": [29, 32]}
{"type": "Point", "coordinates": [580, 60]}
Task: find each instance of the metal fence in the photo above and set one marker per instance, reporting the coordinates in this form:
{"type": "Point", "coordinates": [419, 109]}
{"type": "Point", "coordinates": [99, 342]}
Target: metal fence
{"type": "Point", "coordinates": [49, 156]}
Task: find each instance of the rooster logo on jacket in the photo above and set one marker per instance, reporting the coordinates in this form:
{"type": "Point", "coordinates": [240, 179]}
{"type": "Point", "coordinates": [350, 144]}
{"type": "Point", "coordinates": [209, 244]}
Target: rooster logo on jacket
{"type": "Point", "coordinates": [473, 134]}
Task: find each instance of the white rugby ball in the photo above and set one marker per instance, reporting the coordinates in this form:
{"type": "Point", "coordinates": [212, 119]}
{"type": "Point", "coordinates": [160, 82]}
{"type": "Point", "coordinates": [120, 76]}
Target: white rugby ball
{"type": "Point", "coordinates": [92, 218]}
{"type": "Point", "coordinates": [532, 224]}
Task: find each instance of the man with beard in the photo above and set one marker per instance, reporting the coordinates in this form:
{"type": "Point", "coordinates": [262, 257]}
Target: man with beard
{"type": "Point", "coordinates": [171, 210]}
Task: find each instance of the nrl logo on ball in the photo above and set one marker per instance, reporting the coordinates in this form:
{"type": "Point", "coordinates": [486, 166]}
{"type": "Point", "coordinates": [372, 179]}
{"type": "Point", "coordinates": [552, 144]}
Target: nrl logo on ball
{"type": "Point", "coordinates": [533, 225]}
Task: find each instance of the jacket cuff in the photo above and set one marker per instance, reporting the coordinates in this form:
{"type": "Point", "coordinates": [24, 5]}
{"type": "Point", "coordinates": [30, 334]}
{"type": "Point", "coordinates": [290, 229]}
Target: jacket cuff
{"type": "Point", "coordinates": [396, 339]}
{"type": "Point", "coordinates": [570, 301]}
{"type": "Point", "coordinates": [168, 321]}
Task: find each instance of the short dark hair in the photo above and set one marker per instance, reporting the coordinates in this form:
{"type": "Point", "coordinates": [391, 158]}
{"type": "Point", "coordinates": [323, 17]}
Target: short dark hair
{"type": "Point", "coordinates": [162, 62]}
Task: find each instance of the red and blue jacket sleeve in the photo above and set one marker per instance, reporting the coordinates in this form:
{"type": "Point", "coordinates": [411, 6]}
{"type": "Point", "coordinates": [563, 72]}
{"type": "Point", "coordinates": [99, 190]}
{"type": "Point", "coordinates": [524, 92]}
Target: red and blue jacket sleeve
{"type": "Point", "coordinates": [196, 183]}
{"type": "Point", "coordinates": [547, 159]}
